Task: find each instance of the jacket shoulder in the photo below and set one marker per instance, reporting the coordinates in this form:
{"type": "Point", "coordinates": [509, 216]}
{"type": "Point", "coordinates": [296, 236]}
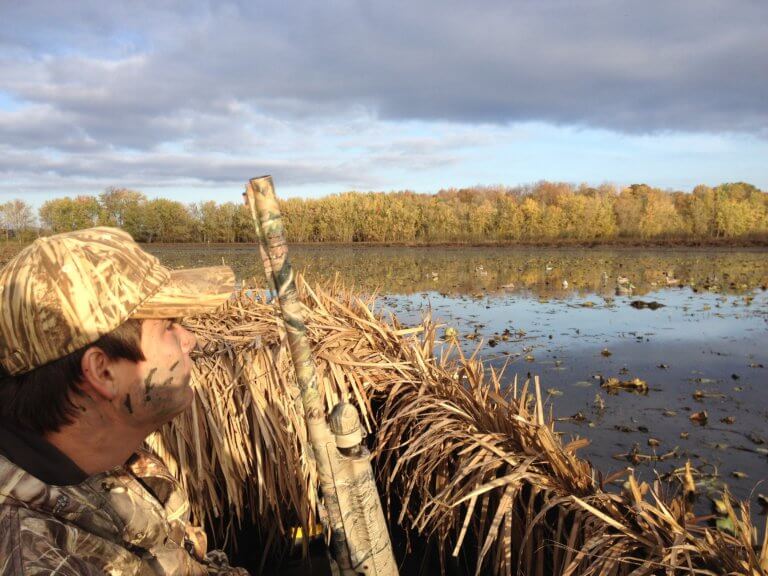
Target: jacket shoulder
{"type": "Point", "coordinates": [35, 545]}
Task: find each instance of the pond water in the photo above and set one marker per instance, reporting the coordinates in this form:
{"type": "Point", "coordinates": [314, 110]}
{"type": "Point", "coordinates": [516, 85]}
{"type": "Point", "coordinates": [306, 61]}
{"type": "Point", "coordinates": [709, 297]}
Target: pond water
{"type": "Point", "coordinates": [697, 339]}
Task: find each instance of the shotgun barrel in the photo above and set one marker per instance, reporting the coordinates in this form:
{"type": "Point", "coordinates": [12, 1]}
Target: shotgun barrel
{"type": "Point", "coordinates": [359, 536]}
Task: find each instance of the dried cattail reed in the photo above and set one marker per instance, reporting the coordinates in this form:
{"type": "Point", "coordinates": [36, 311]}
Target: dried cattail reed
{"type": "Point", "coordinates": [475, 467]}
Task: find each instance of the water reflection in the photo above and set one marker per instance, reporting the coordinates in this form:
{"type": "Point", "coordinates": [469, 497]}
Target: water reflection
{"type": "Point", "coordinates": [542, 272]}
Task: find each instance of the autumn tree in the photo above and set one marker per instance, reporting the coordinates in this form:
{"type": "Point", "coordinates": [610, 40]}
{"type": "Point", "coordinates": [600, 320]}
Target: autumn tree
{"type": "Point", "coordinates": [544, 211]}
{"type": "Point", "coordinates": [121, 207]}
{"type": "Point", "coordinates": [210, 222]}
{"type": "Point", "coordinates": [67, 214]}
{"type": "Point", "coordinates": [16, 216]}
{"type": "Point", "coordinates": [298, 219]}
{"type": "Point", "coordinates": [740, 209]}
{"type": "Point", "coordinates": [164, 221]}
{"type": "Point", "coordinates": [508, 219]}
{"type": "Point", "coordinates": [628, 207]}
{"type": "Point", "coordinates": [532, 213]}
{"type": "Point", "coordinates": [582, 217]}
{"type": "Point", "coordinates": [659, 215]}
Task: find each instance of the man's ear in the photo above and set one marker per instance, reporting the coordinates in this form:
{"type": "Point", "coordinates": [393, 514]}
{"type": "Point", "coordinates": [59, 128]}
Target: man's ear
{"type": "Point", "coordinates": [98, 374]}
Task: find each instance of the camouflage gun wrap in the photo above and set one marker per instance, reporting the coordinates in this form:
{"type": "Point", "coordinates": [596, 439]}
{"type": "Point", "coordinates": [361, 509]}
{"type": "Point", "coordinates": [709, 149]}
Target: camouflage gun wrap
{"type": "Point", "coordinates": [360, 539]}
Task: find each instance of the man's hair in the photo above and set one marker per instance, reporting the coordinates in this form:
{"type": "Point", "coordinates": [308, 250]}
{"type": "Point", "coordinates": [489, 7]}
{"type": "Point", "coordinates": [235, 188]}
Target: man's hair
{"type": "Point", "coordinates": [41, 400]}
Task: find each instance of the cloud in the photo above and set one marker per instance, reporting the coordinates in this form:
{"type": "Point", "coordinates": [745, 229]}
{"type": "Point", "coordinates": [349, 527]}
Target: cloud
{"type": "Point", "coordinates": [158, 169]}
{"type": "Point", "coordinates": [94, 82]}
{"type": "Point", "coordinates": [696, 65]}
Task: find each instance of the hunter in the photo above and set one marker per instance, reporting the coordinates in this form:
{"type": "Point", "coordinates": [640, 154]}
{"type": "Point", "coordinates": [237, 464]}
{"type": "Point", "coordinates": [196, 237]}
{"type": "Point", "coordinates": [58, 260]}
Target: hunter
{"type": "Point", "coordinates": [92, 361]}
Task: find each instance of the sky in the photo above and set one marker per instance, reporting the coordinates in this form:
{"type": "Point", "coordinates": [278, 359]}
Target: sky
{"type": "Point", "coordinates": [188, 99]}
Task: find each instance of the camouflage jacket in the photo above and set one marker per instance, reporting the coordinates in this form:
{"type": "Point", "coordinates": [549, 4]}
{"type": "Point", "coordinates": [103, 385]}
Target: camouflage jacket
{"type": "Point", "coordinates": [130, 520]}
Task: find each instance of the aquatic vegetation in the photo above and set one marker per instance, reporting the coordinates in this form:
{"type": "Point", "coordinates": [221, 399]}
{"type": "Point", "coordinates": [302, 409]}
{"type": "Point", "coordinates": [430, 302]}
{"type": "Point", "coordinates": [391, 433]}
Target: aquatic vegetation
{"type": "Point", "coordinates": [613, 385]}
{"type": "Point", "coordinates": [479, 466]}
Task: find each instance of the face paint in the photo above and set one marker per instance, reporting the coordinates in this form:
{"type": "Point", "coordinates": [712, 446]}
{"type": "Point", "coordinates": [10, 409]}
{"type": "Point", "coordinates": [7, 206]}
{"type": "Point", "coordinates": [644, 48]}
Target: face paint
{"type": "Point", "coordinates": [161, 380]}
{"type": "Point", "coordinates": [148, 385]}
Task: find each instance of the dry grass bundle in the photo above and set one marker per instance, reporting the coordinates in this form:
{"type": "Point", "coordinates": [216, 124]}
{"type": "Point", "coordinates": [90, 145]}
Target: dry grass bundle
{"type": "Point", "coordinates": [475, 468]}
{"type": "Point", "coordinates": [471, 461]}
{"type": "Point", "coordinates": [241, 450]}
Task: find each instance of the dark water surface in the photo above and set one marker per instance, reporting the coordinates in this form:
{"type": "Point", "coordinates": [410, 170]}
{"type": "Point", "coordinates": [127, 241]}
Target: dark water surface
{"type": "Point", "coordinates": [568, 318]}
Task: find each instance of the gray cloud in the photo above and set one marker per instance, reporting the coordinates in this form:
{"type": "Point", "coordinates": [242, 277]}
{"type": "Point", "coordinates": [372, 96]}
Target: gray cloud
{"type": "Point", "coordinates": [248, 78]}
{"type": "Point", "coordinates": [161, 168]}
{"type": "Point", "coordinates": [696, 65]}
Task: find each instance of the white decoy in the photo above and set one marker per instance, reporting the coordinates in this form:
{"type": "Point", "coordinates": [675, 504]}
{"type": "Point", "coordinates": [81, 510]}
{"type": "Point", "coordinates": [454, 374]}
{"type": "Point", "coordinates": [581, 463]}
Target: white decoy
{"type": "Point", "coordinates": [670, 278]}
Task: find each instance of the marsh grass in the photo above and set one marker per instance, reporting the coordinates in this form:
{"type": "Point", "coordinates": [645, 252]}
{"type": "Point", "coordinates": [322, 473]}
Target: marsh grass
{"type": "Point", "coordinates": [470, 467]}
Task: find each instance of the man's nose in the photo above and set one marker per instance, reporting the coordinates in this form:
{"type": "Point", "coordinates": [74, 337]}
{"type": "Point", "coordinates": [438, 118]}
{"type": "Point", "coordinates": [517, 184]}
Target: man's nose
{"type": "Point", "coordinates": [188, 340]}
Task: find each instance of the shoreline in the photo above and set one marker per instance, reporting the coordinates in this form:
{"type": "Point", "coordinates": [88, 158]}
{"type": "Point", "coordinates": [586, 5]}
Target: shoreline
{"type": "Point", "coordinates": [628, 243]}
{"type": "Point", "coordinates": [8, 249]}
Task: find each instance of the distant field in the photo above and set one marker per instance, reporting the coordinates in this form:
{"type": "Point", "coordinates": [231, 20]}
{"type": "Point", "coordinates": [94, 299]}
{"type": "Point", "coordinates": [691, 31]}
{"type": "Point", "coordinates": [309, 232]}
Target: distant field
{"type": "Point", "coordinates": [8, 250]}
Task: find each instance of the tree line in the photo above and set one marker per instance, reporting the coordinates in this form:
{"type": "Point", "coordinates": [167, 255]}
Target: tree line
{"type": "Point", "coordinates": [545, 211]}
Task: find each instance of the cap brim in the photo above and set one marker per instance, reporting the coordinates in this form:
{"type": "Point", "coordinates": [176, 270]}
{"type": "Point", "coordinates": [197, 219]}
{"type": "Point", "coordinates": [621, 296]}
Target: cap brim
{"type": "Point", "coordinates": [189, 292]}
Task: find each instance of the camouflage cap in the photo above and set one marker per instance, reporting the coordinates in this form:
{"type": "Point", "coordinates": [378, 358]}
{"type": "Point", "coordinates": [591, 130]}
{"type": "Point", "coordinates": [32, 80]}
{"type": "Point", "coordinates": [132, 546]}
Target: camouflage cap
{"type": "Point", "coordinates": [64, 292]}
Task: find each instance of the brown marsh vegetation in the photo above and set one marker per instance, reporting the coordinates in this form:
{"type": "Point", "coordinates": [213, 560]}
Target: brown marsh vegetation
{"type": "Point", "coordinates": [476, 470]}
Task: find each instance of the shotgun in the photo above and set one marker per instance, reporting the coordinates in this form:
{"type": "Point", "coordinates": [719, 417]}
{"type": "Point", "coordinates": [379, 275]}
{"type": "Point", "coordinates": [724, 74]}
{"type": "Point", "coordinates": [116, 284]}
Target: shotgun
{"type": "Point", "coordinates": [360, 540]}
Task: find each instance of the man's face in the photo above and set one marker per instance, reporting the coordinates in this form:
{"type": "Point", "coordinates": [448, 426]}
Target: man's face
{"type": "Point", "coordinates": [156, 389]}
